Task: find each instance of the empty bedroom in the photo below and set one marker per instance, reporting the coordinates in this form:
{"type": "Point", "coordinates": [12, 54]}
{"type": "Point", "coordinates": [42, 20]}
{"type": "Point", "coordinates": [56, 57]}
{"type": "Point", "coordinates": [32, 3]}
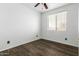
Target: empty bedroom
{"type": "Point", "coordinates": [39, 29]}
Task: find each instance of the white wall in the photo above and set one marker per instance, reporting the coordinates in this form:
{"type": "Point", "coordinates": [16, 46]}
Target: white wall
{"type": "Point", "coordinates": [72, 26]}
{"type": "Point", "coordinates": [78, 25]}
{"type": "Point", "coordinates": [18, 24]}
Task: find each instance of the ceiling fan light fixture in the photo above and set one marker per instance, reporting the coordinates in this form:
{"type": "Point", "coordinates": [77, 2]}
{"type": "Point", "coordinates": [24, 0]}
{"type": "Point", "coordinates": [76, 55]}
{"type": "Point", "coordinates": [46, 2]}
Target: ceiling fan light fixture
{"type": "Point", "coordinates": [44, 5]}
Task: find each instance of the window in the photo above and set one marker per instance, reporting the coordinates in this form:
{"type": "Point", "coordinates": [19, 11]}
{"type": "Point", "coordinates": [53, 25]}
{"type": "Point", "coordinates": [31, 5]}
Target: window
{"type": "Point", "coordinates": [57, 22]}
{"type": "Point", "coordinates": [52, 22]}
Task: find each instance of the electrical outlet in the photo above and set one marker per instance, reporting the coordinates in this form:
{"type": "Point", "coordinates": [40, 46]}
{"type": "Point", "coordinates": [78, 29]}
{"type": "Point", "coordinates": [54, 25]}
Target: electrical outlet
{"type": "Point", "coordinates": [65, 38]}
{"type": "Point", "coordinates": [36, 35]}
{"type": "Point", "coordinates": [8, 42]}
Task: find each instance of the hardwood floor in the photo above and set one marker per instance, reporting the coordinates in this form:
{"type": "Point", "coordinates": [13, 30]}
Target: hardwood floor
{"type": "Point", "coordinates": [42, 48]}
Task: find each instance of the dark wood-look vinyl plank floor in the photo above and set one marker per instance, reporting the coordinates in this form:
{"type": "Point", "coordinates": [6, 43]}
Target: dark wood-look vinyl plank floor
{"type": "Point", "coordinates": [42, 47]}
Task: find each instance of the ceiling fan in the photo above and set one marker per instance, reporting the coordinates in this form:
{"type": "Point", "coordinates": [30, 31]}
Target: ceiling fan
{"type": "Point", "coordinates": [45, 5]}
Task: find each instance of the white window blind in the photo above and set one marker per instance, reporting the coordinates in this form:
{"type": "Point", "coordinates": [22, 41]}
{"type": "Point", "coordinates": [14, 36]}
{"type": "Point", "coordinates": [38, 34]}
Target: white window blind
{"type": "Point", "coordinates": [57, 22]}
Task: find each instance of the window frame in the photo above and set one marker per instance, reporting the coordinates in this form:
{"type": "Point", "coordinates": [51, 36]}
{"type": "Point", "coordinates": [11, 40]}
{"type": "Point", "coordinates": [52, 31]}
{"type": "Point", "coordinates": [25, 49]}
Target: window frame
{"type": "Point", "coordinates": [56, 21]}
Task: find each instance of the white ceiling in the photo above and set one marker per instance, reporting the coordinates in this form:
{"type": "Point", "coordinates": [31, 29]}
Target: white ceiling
{"type": "Point", "coordinates": [41, 8]}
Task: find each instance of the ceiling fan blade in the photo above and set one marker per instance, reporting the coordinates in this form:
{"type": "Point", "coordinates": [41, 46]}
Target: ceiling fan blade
{"type": "Point", "coordinates": [45, 5]}
{"type": "Point", "coordinates": [36, 4]}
